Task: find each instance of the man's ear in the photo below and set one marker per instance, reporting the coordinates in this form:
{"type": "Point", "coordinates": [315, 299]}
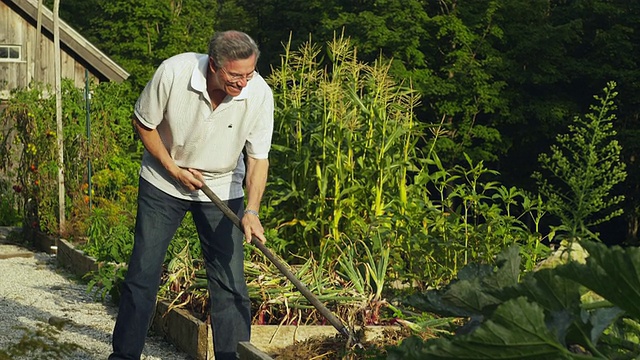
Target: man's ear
{"type": "Point", "coordinates": [212, 64]}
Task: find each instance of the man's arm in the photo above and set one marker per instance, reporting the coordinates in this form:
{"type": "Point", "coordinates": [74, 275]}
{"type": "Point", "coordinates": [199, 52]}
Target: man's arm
{"type": "Point", "coordinates": [152, 142]}
{"type": "Point", "coordinates": [256, 181]}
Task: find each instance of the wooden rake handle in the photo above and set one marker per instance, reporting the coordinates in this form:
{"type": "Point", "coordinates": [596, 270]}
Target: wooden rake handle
{"type": "Point", "coordinates": [324, 311]}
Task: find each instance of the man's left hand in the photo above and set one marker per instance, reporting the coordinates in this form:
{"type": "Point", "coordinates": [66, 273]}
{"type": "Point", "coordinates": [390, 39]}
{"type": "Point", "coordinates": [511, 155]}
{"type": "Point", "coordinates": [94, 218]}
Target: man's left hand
{"type": "Point", "coordinates": [252, 227]}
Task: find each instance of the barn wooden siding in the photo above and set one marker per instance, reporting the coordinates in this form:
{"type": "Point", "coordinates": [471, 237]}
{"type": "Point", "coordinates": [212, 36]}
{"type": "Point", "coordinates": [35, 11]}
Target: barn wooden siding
{"type": "Point", "coordinates": [18, 27]}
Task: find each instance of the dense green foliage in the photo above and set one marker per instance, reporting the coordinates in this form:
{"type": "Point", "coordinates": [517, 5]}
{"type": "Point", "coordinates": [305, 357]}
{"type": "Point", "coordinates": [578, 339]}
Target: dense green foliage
{"type": "Point", "coordinates": [502, 77]}
{"type": "Point", "coordinates": [29, 153]}
{"type": "Point", "coordinates": [346, 168]}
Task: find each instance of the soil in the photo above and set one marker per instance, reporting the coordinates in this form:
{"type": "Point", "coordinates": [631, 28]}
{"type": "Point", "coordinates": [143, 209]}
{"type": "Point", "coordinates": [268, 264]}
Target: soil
{"type": "Point", "coordinates": [339, 347]}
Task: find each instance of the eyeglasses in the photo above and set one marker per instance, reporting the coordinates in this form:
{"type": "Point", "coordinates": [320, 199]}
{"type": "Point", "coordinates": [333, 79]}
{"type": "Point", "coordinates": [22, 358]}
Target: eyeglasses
{"type": "Point", "coordinates": [237, 77]}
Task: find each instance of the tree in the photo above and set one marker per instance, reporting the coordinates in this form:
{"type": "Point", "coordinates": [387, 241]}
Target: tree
{"type": "Point", "coordinates": [139, 34]}
{"type": "Point", "coordinates": [554, 54]}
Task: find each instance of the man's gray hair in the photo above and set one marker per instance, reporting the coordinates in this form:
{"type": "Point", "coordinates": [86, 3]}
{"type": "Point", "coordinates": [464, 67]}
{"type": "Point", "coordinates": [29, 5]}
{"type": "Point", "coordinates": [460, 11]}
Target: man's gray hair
{"type": "Point", "coordinates": [231, 45]}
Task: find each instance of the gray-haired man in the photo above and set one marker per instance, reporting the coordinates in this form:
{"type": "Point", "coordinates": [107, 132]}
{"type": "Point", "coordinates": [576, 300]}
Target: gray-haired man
{"type": "Point", "coordinates": [195, 118]}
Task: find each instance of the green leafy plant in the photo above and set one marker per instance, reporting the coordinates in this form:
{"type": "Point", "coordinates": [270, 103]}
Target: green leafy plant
{"type": "Point", "coordinates": [40, 343]}
{"type": "Point", "coordinates": [366, 269]}
{"type": "Point", "coordinates": [458, 216]}
{"type": "Point", "coordinates": [110, 236]}
{"type": "Point", "coordinates": [106, 281]}
{"type": "Point", "coordinates": [582, 171]}
{"type": "Point", "coordinates": [548, 314]}
{"type": "Point", "coordinates": [9, 205]}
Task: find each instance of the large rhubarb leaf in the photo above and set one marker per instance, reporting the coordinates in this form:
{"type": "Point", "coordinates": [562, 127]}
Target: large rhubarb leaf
{"type": "Point", "coordinates": [549, 290]}
{"type": "Point", "coordinates": [516, 331]}
{"type": "Point", "coordinates": [432, 301]}
{"type": "Point", "coordinates": [544, 315]}
{"type": "Point", "coordinates": [597, 321]}
{"type": "Point", "coordinates": [559, 297]}
{"type": "Point", "coordinates": [611, 272]}
{"type": "Point", "coordinates": [508, 271]}
{"type": "Point", "coordinates": [469, 295]}
{"type": "Point", "coordinates": [473, 293]}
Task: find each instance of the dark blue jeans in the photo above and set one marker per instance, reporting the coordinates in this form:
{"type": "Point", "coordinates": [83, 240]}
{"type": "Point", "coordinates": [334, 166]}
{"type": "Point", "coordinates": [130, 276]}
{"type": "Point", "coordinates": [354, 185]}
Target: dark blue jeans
{"type": "Point", "coordinates": [159, 216]}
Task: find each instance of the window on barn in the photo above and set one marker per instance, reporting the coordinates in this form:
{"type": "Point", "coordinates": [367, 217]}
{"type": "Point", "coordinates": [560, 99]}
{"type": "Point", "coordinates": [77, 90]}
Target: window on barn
{"type": "Point", "coordinates": [10, 53]}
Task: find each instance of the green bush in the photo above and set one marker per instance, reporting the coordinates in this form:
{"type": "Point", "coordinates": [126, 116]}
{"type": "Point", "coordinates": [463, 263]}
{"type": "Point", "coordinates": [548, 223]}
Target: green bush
{"type": "Point", "coordinates": [9, 205]}
{"type": "Point", "coordinates": [29, 152]}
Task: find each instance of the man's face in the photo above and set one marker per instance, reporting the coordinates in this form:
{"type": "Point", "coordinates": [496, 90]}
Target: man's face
{"type": "Point", "coordinates": [234, 75]}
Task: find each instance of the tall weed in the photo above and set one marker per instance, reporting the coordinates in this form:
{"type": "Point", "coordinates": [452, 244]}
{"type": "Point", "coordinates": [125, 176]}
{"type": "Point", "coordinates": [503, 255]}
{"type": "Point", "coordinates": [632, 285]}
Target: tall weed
{"type": "Point", "coordinates": [580, 174]}
{"type": "Point", "coordinates": [458, 216]}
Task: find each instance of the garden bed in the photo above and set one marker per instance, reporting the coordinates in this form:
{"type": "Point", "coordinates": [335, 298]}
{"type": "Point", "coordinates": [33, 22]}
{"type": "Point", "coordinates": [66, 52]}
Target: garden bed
{"type": "Point", "coordinates": [192, 335]}
{"type": "Point", "coordinates": [177, 326]}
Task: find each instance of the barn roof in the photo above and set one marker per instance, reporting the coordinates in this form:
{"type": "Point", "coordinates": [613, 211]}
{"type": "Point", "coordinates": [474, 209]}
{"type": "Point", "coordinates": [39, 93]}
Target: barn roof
{"type": "Point", "coordinates": [106, 68]}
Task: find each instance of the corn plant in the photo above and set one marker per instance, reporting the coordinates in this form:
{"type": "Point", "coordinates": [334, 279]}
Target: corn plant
{"type": "Point", "coordinates": [344, 143]}
{"type": "Point", "coordinates": [344, 154]}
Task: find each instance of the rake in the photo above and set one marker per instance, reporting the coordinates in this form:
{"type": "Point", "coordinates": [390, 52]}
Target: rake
{"type": "Point", "coordinates": [324, 311]}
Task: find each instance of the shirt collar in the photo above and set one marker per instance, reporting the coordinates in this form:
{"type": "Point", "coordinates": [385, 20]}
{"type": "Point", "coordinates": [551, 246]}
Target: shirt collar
{"type": "Point", "coordinates": [199, 79]}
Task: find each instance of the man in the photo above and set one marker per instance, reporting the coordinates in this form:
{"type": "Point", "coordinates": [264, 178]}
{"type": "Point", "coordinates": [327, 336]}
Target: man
{"type": "Point", "coordinates": [195, 117]}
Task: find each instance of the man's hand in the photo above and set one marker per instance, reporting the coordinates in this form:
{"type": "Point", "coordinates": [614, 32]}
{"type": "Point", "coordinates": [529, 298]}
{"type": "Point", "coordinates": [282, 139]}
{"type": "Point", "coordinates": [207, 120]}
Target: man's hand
{"type": "Point", "coordinates": [252, 227]}
{"type": "Point", "coordinates": [192, 179]}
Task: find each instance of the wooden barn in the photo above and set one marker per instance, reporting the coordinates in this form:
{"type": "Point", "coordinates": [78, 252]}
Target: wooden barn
{"type": "Point", "coordinates": [23, 61]}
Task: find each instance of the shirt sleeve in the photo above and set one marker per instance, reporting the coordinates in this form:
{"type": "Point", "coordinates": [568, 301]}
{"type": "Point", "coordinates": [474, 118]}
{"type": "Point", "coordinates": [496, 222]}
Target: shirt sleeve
{"type": "Point", "coordinates": [151, 104]}
{"type": "Point", "coordinates": [258, 143]}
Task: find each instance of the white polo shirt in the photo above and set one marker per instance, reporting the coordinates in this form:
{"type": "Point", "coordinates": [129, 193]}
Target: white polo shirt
{"type": "Point", "coordinates": [177, 104]}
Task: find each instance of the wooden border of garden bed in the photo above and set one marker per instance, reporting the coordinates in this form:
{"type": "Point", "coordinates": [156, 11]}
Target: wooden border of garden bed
{"type": "Point", "coordinates": [177, 326]}
{"type": "Point", "coordinates": [39, 240]}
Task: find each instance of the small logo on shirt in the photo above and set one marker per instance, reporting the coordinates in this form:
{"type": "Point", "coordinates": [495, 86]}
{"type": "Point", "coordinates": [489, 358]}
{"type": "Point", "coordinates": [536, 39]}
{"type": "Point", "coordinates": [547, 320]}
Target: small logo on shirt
{"type": "Point", "coordinates": [230, 126]}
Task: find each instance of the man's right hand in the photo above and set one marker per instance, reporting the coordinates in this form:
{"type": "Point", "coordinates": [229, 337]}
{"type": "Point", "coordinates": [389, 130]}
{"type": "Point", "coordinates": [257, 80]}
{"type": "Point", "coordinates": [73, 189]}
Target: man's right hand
{"type": "Point", "coordinates": [191, 179]}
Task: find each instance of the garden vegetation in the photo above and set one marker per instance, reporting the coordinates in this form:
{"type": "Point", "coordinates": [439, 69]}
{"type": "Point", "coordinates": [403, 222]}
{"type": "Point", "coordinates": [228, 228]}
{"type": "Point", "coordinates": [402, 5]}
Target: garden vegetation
{"type": "Point", "coordinates": [378, 211]}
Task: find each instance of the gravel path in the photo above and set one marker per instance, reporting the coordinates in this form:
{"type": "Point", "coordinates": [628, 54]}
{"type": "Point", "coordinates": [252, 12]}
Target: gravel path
{"type": "Point", "coordinates": [35, 294]}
